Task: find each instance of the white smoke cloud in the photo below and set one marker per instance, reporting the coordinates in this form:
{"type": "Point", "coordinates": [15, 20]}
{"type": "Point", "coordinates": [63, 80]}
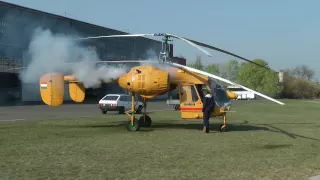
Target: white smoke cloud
{"type": "Point", "coordinates": [50, 52]}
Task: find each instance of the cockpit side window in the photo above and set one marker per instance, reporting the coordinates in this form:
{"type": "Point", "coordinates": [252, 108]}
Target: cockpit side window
{"type": "Point", "coordinates": [220, 95]}
{"type": "Point", "coordinates": [199, 89]}
{"type": "Point", "coordinates": [194, 94]}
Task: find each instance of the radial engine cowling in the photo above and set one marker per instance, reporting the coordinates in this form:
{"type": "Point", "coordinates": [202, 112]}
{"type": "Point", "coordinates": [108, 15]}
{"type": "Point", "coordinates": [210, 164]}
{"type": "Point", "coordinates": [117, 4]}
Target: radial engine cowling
{"type": "Point", "coordinates": [147, 81]}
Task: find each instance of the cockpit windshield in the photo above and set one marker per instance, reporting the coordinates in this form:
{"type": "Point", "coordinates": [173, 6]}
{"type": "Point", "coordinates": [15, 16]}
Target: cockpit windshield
{"type": "Point", "coordinates": [220, 94]}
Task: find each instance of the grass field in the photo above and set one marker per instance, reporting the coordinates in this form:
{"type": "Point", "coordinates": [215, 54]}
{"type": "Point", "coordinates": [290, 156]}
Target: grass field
{"type": "Point", "coordinates": [264, 141]}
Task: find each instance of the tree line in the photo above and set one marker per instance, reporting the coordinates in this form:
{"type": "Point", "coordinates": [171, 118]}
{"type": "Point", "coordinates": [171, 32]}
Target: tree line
{"type": "Point", "coordinates": [297, 83]}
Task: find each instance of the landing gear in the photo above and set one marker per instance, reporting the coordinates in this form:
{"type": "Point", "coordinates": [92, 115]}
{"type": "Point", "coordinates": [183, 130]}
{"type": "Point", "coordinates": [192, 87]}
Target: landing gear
{"type": "Point", "coordinates": [144, 121]}
{"type": "Point", "coordinates": [135, 126]}
{"type": "Point", "coordinates": [223, 127]}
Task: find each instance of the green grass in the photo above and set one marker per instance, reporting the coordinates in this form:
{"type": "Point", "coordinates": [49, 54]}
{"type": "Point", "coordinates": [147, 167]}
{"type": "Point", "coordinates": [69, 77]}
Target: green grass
{"type": "Point", "coordinates": [264, 141]}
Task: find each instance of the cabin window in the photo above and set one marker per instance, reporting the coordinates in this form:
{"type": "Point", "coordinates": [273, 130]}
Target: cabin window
{"type": "Point", "coordinates": [220, 96]}
{"type": "Point", "coordinates": [199, 89]}
{"type": "Point", "coordinates": [194, 94]}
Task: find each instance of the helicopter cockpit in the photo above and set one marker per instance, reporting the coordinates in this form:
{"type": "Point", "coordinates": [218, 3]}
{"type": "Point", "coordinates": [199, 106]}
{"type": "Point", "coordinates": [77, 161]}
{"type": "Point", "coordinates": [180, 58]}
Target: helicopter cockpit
{"type": "Point", "coordinates": [219, 93]}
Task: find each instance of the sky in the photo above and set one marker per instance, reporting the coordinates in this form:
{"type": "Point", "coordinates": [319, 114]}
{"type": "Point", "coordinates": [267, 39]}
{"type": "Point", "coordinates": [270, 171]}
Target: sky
{"type": "Point", "coordinates": [284, 33]}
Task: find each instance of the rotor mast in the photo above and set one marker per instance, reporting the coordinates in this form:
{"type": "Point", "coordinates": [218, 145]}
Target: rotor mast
{"type": "Point", "coordinates": [164, 54]}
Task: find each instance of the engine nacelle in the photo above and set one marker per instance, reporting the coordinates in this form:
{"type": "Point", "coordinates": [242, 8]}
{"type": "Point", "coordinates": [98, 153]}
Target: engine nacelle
{"type": "Point", "coordinates": [147, 81]}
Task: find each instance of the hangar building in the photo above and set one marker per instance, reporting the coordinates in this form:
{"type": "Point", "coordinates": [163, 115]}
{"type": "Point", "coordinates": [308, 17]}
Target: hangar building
{"type": "Point", "coordinates": [17, 25]}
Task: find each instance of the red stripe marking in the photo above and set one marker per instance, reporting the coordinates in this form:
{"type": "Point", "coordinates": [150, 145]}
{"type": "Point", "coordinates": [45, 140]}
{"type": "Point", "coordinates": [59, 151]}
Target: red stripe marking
{"type": "Point", "coordinates": [192, 109]}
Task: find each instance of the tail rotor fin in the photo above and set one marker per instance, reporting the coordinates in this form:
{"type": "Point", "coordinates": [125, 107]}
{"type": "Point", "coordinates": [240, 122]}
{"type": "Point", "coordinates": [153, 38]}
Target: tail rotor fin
{"type": "Point", "coordinates": [52, 89]}
{"type": "Point", "coordinates": [76, 91]}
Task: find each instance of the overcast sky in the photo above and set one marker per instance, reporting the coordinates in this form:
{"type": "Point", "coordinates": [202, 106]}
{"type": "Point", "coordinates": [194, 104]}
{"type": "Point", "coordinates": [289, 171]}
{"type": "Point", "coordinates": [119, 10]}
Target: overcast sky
{"type": "Point", "coordinates": [285, 33]}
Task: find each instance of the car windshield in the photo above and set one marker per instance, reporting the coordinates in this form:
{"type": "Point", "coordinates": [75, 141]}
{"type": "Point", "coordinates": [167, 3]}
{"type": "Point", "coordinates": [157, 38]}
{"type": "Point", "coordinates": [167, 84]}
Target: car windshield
{"type": "Point", "coordinates": [112, 98]}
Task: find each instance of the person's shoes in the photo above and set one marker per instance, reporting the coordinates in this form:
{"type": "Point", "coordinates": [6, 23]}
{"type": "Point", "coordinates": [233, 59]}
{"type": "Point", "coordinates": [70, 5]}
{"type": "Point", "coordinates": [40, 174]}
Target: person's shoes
{"type": "Point", "coordinates": [205, 130]}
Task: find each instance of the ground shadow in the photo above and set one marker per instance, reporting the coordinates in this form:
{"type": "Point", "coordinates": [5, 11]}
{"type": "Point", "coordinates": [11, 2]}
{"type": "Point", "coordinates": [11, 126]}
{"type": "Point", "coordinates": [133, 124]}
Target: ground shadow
{"type": "Point", "coordinates": [191, 126]}
{"type": "Point", "coordinates": [291, 135]}
{"type": "Point", "coordinates": [274, 146]}
{"type": "Point", "coordinates": [272, 128]}
{"type": "Point", "coordinates": [245, 126]}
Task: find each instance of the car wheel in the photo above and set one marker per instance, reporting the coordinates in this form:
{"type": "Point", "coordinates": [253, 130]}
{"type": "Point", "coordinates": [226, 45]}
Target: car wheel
{"type": "Point", "coordinates": [103, 111]}
{"type": "Point", "coordinates": [121, 110]}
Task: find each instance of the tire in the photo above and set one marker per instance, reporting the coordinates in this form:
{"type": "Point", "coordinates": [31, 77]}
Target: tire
{"type": "Point", "coordinates": [146, 123]}
{"type": "Point", "coordinates": [121, 110]}
{"type": "Point", "coordinates": [103, 111]}
{"type": "Point", "coordinates": [135, 127]}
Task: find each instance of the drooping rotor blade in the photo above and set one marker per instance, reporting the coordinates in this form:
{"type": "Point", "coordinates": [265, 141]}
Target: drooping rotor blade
{"type": "Point", "coordinates": [126, 61]}
{"type": "Point", "coordinates": [156, 34]}
{"type": "Point", "coordinates": [125, 35]}
{"type": "Point", "coordinates": [95, 62]}
{"type": "Point", "coordinates": [10, 69]}
{"type": "Point", "coordinates": [226, 52]}
{"type": "Point", "coordinates": [191, 43]}
{"type": "Point", "coordinates": [227, 81]}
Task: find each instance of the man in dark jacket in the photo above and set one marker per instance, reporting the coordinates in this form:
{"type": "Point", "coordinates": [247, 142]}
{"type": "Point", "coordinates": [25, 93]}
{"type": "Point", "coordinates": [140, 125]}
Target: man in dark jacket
{"type": "Point", "coordinates": [207, 109]}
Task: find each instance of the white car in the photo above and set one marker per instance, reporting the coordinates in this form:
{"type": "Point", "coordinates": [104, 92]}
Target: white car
{"type": "Point", "coordinates": [119, 102]}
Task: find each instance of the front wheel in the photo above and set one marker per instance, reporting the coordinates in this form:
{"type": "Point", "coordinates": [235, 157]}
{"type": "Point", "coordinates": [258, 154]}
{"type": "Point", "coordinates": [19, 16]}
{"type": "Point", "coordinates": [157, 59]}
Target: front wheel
{"type": "Point", "coordinates": [135, 126]}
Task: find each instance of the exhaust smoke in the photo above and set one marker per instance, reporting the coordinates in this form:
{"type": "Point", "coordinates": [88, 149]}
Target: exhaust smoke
{"type": "Point", "coordinates": [48, 52]}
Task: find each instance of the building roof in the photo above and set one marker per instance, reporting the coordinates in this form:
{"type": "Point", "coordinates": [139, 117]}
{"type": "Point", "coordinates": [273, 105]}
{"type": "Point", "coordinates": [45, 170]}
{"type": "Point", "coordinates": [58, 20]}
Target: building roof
{"type": "Point", "coordinates": [63, 17]}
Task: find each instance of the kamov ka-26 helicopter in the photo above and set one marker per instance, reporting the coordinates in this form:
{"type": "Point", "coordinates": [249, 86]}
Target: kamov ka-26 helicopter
{"type": "Point", "coordinates": [152, 78]}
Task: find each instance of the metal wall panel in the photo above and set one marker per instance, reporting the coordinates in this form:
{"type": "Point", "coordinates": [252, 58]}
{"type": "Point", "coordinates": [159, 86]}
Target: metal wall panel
{"type": "Point", "coordinates": [17, 25]}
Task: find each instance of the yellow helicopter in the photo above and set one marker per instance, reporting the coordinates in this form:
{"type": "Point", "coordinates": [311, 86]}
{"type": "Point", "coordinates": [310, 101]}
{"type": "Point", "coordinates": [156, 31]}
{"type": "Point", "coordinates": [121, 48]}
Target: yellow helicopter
{"type": "Point", "coordinates": [154, 78]}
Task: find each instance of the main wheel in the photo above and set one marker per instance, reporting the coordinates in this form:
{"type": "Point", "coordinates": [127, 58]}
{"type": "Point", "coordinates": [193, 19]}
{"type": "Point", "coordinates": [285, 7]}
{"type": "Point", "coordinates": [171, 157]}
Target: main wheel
{"type": "Point", "coordinates": [135, 126]}
{"type": "Point", "coordinates": [222, 129]}
{"type": "Point", "coordinates": [146, 123]}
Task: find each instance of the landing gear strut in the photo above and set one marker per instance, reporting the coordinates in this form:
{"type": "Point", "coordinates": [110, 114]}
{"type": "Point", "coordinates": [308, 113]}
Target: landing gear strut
{"type": "Point", "coordinates": [223, 127]}
{"type": "Point", "coordinates": [144, 121]}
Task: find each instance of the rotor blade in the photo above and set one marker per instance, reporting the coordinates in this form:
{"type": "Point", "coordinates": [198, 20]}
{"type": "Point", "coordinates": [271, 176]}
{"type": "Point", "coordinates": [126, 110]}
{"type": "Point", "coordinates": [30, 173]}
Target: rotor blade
{"type": "Point", "coordinates": [226, 52]}
{"type": "Point", "coordinates": [125, 35]}
{"type": "Point", "coordinates": [110, 62]}
{"type": "Point", "coordinates": [126, 61]}
{"type": "Point", "coordinates": [10, 69]}
{"type": "Point", "coordinates": [191, 43]}
{"type": "Point", "coordinates": [227, 81]}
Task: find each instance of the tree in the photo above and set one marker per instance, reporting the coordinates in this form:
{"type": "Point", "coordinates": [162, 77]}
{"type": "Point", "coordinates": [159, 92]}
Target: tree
{"type": "Point", "coordinates": [302, 72]}
{"type": "Point", "coordinates": [198, 64]}
{"type": "Point", "coordinates": [297, 83]}
{"type": "Point", "coordinates": [229, 70]}
{"type": "Point", "coordinates": [257, 78]}
{"type": "Point", "coordinates": [212, 69]}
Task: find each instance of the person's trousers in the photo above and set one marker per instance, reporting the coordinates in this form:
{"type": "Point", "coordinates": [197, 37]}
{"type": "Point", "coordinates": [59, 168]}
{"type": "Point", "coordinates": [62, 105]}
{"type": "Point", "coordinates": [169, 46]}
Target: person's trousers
{"type": "Point", "coordinates": [206, 116]}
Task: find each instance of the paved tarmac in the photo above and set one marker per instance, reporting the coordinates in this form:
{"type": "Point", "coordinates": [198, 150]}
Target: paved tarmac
{"type": "Point", "coordinates": [44, 112]}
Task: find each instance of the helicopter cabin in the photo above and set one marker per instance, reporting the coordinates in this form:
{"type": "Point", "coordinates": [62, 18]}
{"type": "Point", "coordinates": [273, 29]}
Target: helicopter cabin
{"type": "Point", "coordinates": [191, 99]}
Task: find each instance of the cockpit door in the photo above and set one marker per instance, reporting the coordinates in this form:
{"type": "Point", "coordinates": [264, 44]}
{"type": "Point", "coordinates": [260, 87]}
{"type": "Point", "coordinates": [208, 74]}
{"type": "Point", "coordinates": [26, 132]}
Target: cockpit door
{"type": "Point", "coordinates": [190, 102]}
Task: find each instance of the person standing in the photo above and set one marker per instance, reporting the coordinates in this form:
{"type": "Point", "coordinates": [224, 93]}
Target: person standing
{"type": "Point", "coordinates": [207, 109]}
